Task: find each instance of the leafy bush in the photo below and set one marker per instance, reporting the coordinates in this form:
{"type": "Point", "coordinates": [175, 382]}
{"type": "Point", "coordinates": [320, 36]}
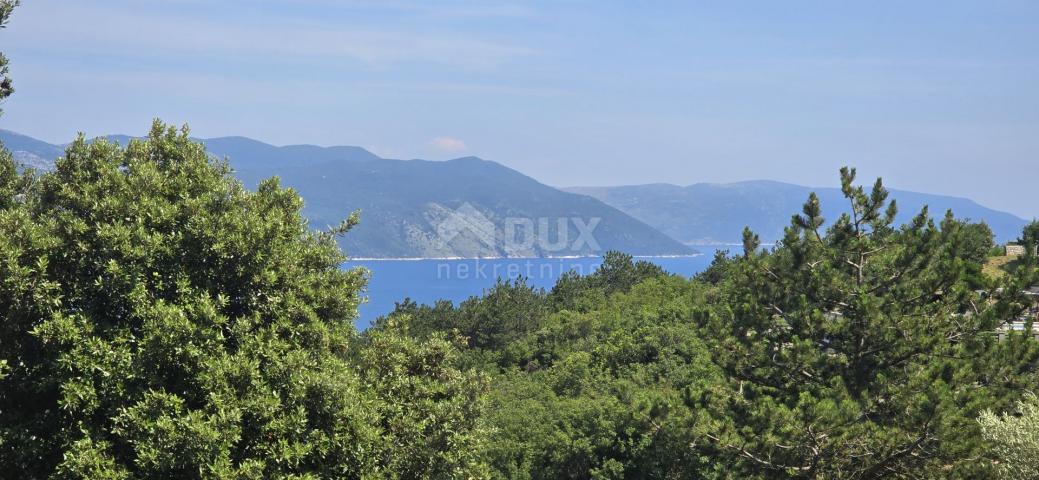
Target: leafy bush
{"type": "Point", "coordinates": [1014, 438]}
{"type": "Point", "coordinates": [159, 320]}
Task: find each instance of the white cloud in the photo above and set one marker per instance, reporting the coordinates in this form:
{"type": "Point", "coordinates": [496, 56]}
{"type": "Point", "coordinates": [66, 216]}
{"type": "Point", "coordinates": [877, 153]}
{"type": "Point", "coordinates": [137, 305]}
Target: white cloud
{"type": "Point", "coordinates": [448, 144]}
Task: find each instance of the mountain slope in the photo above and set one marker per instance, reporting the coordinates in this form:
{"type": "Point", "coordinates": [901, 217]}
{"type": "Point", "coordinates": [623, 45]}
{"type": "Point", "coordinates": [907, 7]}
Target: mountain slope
{"type": "Point", "coordinates": [706, 213]}
{"type": "Point", "coordinates": [462, 207]}
{"type": "Point", "coordinates": [30, 152]}
{"type": "Point", "coordinates": [465, 207]}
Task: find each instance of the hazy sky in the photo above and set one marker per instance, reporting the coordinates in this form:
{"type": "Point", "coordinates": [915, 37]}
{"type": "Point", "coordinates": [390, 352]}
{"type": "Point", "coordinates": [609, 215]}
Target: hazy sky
{"type": "Point", "coordinates": [939, 96]}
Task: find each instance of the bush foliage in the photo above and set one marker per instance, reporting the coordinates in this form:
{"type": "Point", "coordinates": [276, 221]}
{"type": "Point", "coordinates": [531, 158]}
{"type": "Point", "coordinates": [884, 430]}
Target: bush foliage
{"type": "Point", "coordinates": [159, 320]}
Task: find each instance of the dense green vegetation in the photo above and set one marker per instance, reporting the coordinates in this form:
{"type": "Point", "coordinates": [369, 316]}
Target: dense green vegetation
{"type": "Point", "coordinates": [857, 350]}
{"type": "Point", "coordinates": [1030, 238]}
{"type": "Point", "coordinates": [160, 320]}
{"type": "Point", "coordinates": [1015, 438]}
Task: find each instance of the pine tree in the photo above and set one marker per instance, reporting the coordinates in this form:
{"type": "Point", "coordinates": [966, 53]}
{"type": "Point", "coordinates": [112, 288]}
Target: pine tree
{"type": "Point", "coordinates": [1030, 240]}
{"type": "Point", "coordinates": [862, 350]}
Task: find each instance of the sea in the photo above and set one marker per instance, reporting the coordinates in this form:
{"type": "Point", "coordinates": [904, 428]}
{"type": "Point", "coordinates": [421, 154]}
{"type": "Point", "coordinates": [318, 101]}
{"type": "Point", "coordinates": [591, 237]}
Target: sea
{"type": "Point", "coordinates": [428, 280]}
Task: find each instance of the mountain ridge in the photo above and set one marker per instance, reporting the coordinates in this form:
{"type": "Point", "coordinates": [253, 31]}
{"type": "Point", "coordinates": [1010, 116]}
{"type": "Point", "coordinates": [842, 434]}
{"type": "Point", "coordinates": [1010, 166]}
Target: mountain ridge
{"type": "Point", "coordinates": [464, 207]}
{"type": "Point", "coordinates": [715, 213]}
{"type": "Point", "coordinates": [404, 202]}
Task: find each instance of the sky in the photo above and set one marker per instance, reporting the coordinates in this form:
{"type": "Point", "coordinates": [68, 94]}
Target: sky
{"type": "Point", "coordinates": [933, 96]}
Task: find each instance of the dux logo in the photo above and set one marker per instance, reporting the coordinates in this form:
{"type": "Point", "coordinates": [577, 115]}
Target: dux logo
{"type": "Point", "coordinates": [518, 235]}
{"type": "Point", "coordinates": [466, 220]}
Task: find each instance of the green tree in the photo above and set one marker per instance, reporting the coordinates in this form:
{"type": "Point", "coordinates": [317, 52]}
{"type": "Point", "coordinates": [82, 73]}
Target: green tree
{"type": "Point", "coordinates": [862, 350]}
{"type": "Point", "coordinates": [1030, 239]}
{"type": "Point", "coordinates": [9, 178]}
{"type": "Point", "coordinates": [429, 412]}
{"type": "Point", "coordinates": [716, 271]}
{"type": "Point", "coordinates": [589, 381]}
{"type": "Point", "coordinates": [505, 312]}
{"type": "Point", "coordinates": [1014, 438]}
{"type": "Point", "coordinates": [161, 321]}
{"type": "Point", "coordinates": [751, 242]}
{"type": "Point", "coordinates": [977, 242]}
{"type": "Point", "coordinates": [617, 273]}
{"type": "Point", "coordinates": [608, 393]}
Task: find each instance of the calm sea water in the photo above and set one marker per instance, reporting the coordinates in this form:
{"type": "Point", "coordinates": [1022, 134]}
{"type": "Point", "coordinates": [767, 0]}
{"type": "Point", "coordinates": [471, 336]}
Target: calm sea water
{"type": "Point", "coordinates": [427, 281]}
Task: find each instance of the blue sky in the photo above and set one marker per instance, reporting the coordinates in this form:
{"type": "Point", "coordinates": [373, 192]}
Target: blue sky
{"type": "Point", "coordinates": [936, 96]}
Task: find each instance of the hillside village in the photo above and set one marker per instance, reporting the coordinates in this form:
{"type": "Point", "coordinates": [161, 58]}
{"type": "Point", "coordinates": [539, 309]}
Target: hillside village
{"type": "Point", "coordinates": [1002, 265]}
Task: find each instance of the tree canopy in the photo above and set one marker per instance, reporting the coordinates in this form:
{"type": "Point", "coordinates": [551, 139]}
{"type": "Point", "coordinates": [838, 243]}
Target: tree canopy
{"type": "Point", "coordinates": [1015, 438]}
{"type": "Point", "coordinates": [160, 320]}
{"type": "Point", "coordinates": [863, 349]}
{"type": "Point", "coordinates": [853, 349]}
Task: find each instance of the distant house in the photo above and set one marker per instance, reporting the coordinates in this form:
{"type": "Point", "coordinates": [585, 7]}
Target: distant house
{"type": "Point", "coordinates": [1014, 250]}
{"type": "Point", "coordinates": [1033, 312]}
{"type": "Point", "coordinates": [1028, 320]}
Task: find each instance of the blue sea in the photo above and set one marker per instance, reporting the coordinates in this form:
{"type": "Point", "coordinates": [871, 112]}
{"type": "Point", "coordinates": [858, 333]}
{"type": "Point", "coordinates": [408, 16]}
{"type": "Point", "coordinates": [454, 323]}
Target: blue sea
{"type": "Point", "coordinates": [426, 281]}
